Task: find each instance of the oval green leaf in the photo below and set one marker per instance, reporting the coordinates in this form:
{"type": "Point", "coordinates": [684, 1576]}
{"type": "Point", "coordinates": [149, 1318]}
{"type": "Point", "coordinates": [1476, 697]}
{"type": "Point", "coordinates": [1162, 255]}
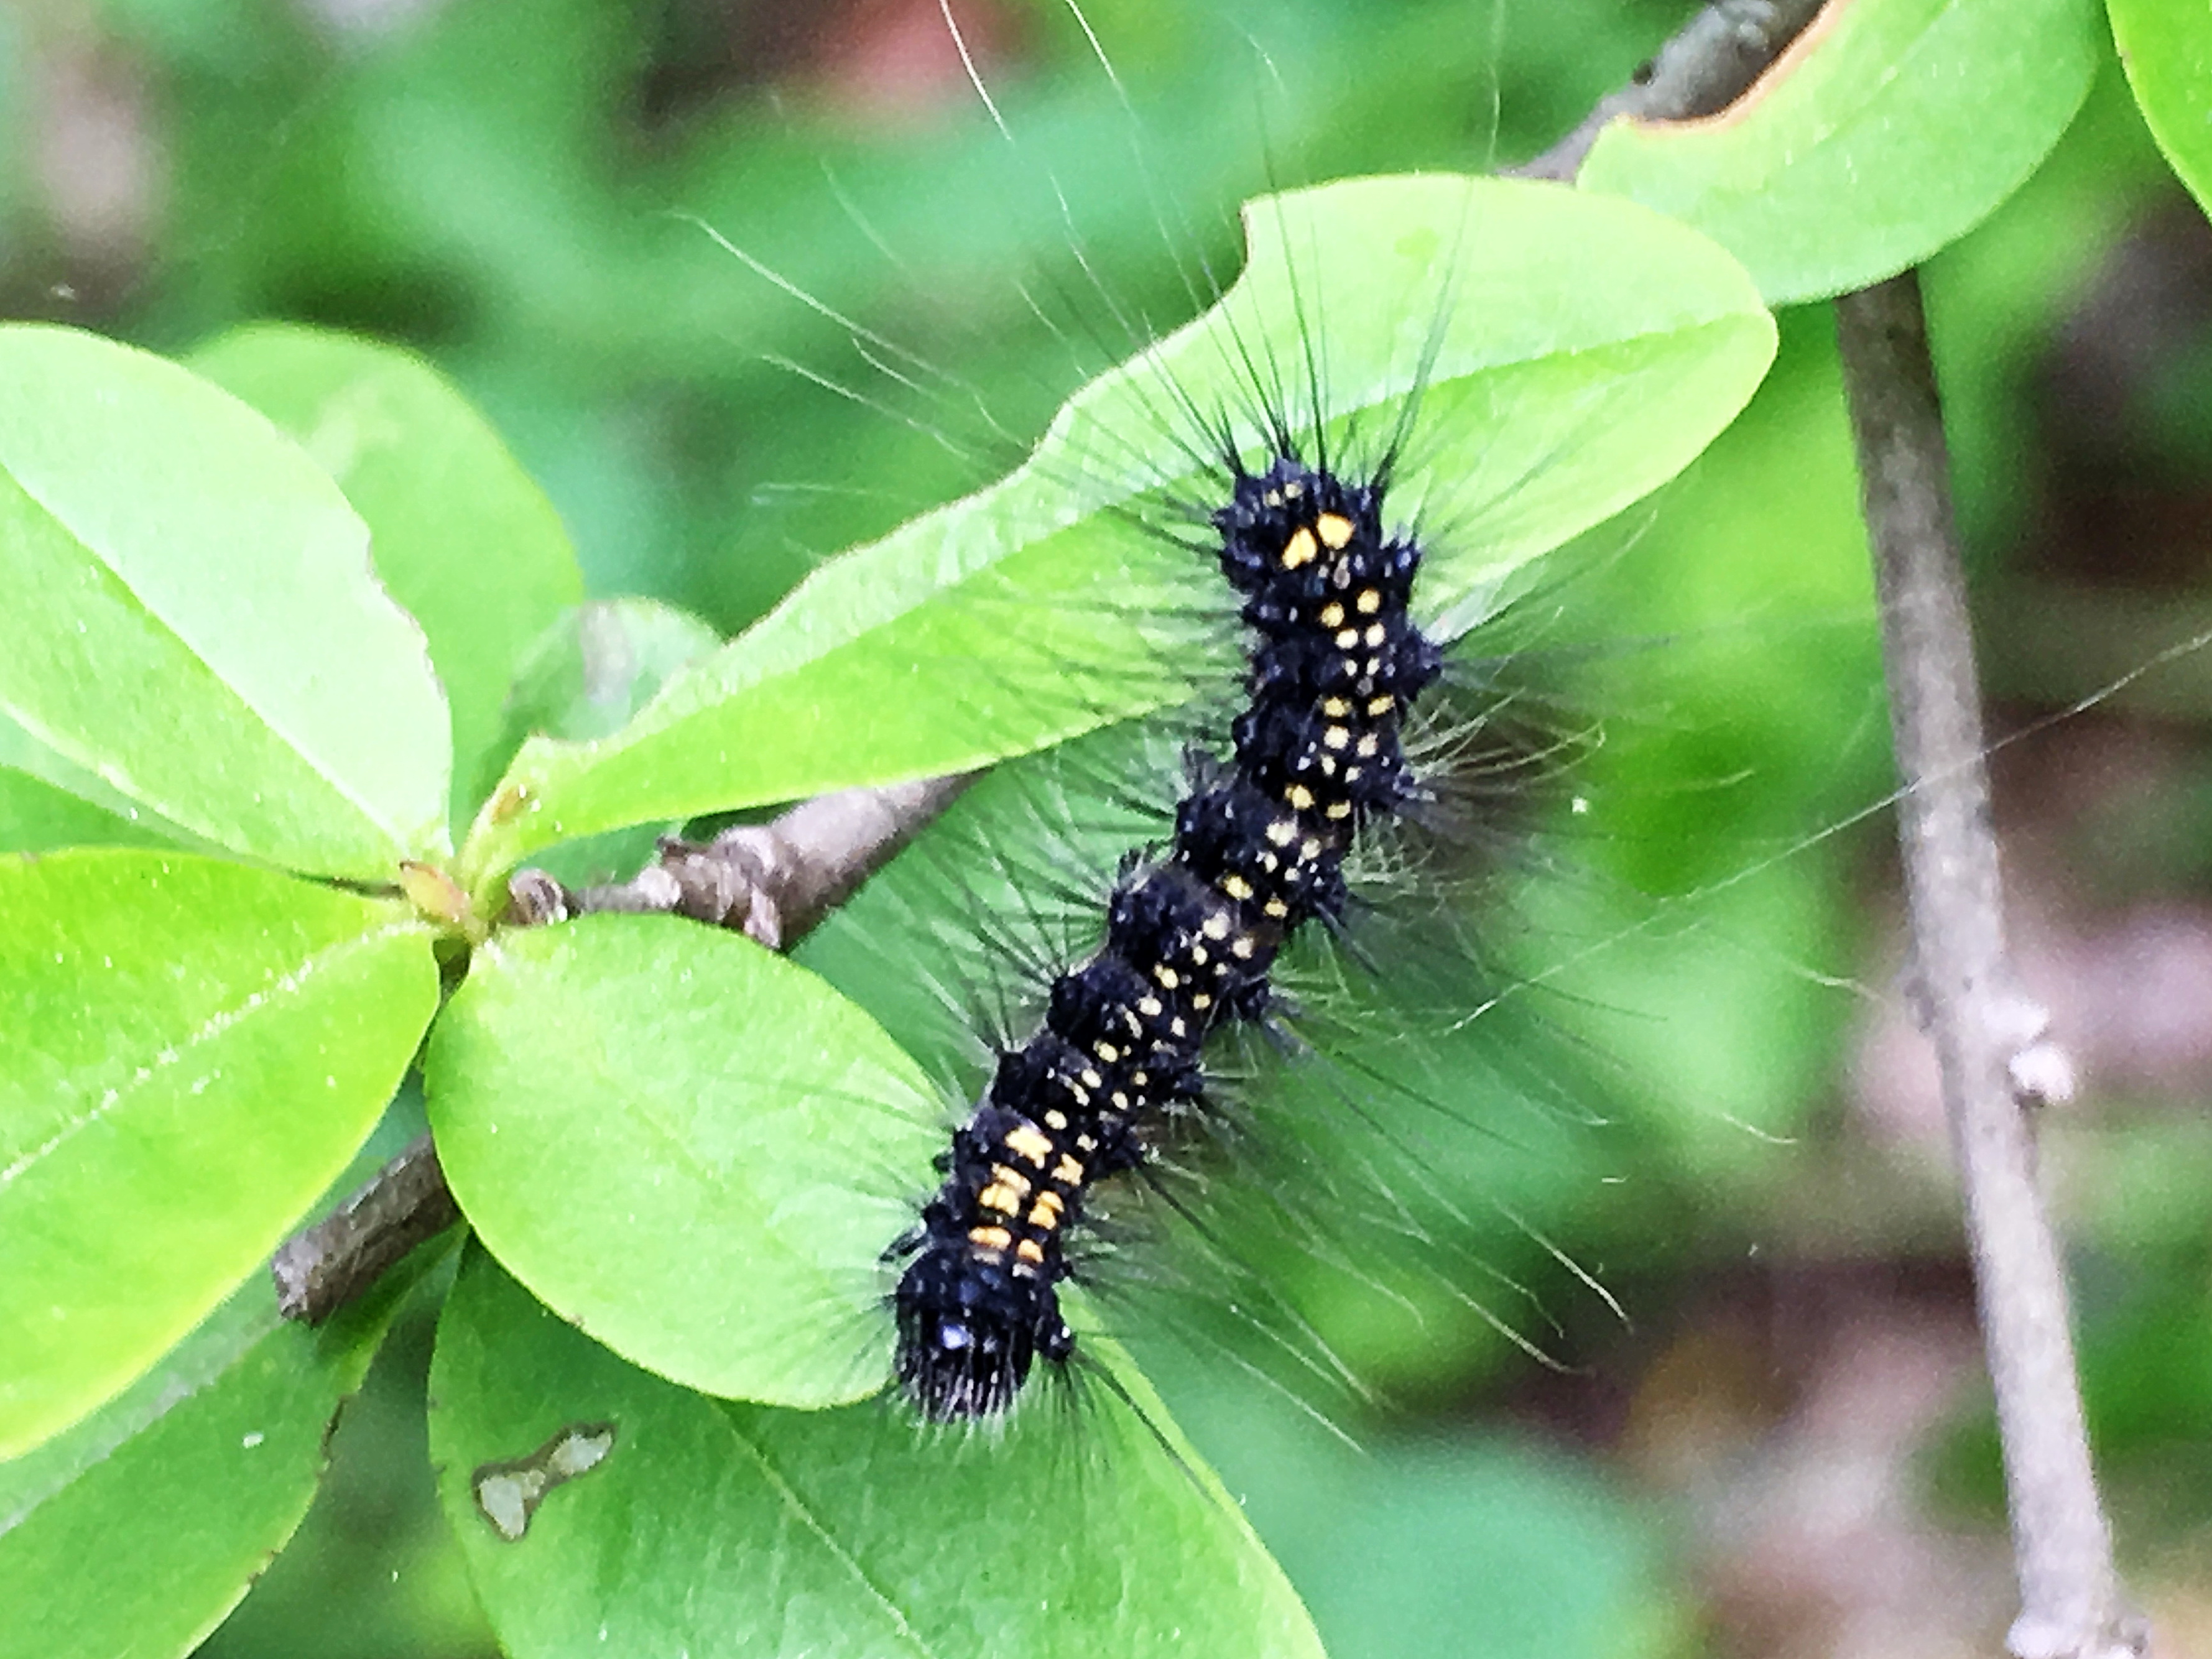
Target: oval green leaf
{"type": "Point", "coordinates": [716, 1215]}
{"type": "Point", "coordinates": [191, 617]}
{"type": "Point", "coordinates": [2166, 46]}
{"type": "Point", "coordinates": [36, 816]}
{"type": "Point", "coordinates": [98, 814]}
{"type": "Point", "coordinates": [138, 1530]}
{"type": "Point", "coordinates": [461, 535]}
{"type": "Point", "coordinates": [587, 675]}
{"type": "Point", "coordinates": [586, 678]}
{"type": "Point", "coordinates": [1565, 354]}
{"type": "Point", "coordinates": [710, 1528]}
{"type": "Point", "coordinates": [1888, 130]}
{"type": "Point", "coordinates": [195, 1048]}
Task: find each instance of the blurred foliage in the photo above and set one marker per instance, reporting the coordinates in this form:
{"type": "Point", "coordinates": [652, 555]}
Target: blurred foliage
{"type": "Point", "coordinates": [519, 193]}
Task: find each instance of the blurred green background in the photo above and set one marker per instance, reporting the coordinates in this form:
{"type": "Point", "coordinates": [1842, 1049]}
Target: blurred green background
{"type": "Point", "coordinates": [1783, 1447]}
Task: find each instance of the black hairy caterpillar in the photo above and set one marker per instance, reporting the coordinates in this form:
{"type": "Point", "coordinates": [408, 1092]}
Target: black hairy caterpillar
{"type": "Point", "coordinates": [1191, 938]}
{"type": "Point", "coordinates": [1360, 302]}
{"type": "Point", "coordinates": [1316, 753]}
{"type": "Point", "coordinates": [1192, 932]}
{"type": "Point", "coordinates": [1551, 388]}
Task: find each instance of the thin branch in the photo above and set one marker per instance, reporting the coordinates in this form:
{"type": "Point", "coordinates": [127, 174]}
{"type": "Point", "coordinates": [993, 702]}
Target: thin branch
{"type": "Point", "coordinates": [1996, 1063]}
{"type": "Point", "coordinates": [774, 882]}
{"type": "Point", "coordinates": [1706, 67]}
{"type": "Point", "coordinates": [1995, 1060]}
{"type": "Point", "coordinates": [406, 1204]}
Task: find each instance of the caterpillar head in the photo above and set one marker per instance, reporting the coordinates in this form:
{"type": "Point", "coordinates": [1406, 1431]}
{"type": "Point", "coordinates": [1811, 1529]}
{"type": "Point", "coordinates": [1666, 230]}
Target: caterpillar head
{"type": "Point", "coordinates": [969, 1330]}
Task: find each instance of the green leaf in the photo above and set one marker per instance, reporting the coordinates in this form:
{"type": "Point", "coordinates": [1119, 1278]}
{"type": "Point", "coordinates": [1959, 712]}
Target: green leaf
{"type": "Point", "coordinates": [586, 678]}
{"type": "Point", "coordinates": [35, 817]}
{"type": "Point", "coordinates": [1402, 1545]}
{"type": "Point", "coordinates": [1889, 130]}
{"type": "Point", "coordinates": [1566, 353]}
{"type": "Point", "coordinates": [589, 674]}
{"type": "Point", "coordinates": [713, 1527]}
{"type": "Point", "coordinates": [716, 1213]}
{"type": "Point", "coordinates": [55, 803]}
{"type": "Point", "coordinates": [191, 617]}
{"type": "Point", "coordinates": [2166, 46]}
{"type": "Point", "coordinates": [461, 535]}
{"type": "Point", "coordinates": [195, 1048]}
{"type": "Point", "coordinates": [138, 1530]}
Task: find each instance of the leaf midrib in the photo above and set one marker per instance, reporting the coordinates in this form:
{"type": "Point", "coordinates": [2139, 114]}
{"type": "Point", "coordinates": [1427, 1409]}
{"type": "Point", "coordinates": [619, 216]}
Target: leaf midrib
{"type": "Point", "coordinates": [373, 816]}
{"type": "Point", "coordinates": [211, 1028]}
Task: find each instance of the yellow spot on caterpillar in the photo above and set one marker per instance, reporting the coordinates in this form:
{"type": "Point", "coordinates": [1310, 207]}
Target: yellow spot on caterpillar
{"type": "Point", "coordinates": [1105, 1051]}
{"type": "Point", "coordinates": [999, 1201]}
{"type": "Point", "coordinates": [1029, 1143]}
{"type": "Point", "coordinates": [1334, 530]}
{"type": "Point", "coordinates": [1338, 809]}
{"type": "Point", "coordinates": [1328, 766]}
{"type": "Point", "coordinates": [1047, 1211]}
{"type": "Point", "coordinates": [1276, 908]}
{"type": "Point", "coordinates": [1368, 602]}
{"type": "Point", "coordinates": [1241, 945]}
{"type": "Point", "coordinates": [1368, 744]}
{"type": "Point", "coordinates": [1166, 977]}
{"type": "Point", "coordinates": [1177, 1027]}
{"type": "Point", "coordinates": [1236, 886]}
{"type": "Point", "coordinates": [1311, 850]}
{"type": "Point", "coordinates": [1055, 1119]}
{"type": "Point", "coordinates": [1086, 1142]}
{"type": "Point", "coordinates": [1336, 709]}
{"type": "Point", "coordinates": [1149, 1006]}
{"type": "Point", "coordinates": [1299, 796]}
{"type": "Point", "coordinates": [990, 1238]}
{"type": "Point", "coordinates": [1121, 1101]}
{"type": "Point", "coordinates": [1092, 1081]}
{"type": "Point", "coordinates": [1283, 831]}
{"type": "Point", "coordinates": [1331, 615]}
{"type": "Point", "coordinates": [1197, 954]}
{"type": "Point", "coordinates": [1336, 737]}
{"type": "Point", "coordinates": [1068, 1172]}
{"type": "Point", "coordinates": [1376, 633]}
{"type": "Point", "coordinates": [1215, 926]}
{"type": "Point", "coordinates": [1348, 638]}
{"type": "Point", "coordinates": [1006, 1175]}
{"type": "Point", "coordinates": [1381, 705]}
{"type": "Point", "coordinates": [1031, 1251]}
{"type": "Point", "coordinates": [1300, 549]}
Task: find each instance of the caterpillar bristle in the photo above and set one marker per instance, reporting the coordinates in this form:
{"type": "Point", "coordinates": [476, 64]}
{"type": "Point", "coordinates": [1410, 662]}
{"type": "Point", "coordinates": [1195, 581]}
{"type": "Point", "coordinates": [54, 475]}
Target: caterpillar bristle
{"type": "Point", "coordinates": [1335, 661]}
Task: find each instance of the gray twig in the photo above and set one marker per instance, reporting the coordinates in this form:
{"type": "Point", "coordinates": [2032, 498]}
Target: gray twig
{"type": "Point", "coordinates": [774, 882]}
{"type": "Point", "coordinates": [1706, 67]}
{"type": "Point", "coordinates": [1996, 1060]}
{"type": "Point", "coordinates": [404, 1204]}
